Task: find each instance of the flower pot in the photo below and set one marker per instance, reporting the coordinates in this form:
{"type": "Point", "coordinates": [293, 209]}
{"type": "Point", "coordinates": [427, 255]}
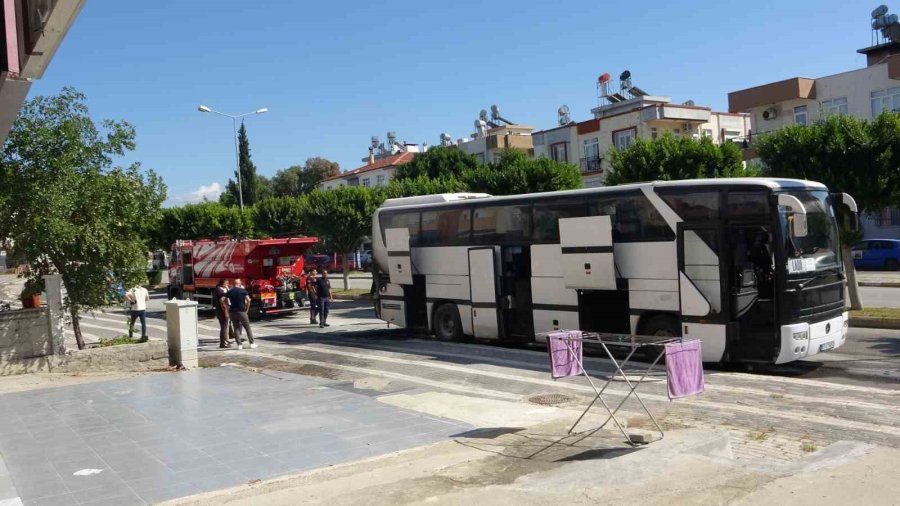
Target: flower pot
{"type": "Point", "coordinates": [35, 301]}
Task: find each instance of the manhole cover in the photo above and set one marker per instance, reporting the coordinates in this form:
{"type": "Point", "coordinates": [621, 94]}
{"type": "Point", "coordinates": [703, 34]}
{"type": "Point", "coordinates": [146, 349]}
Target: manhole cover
{"type": "Point", "coordinates": [549, 399]}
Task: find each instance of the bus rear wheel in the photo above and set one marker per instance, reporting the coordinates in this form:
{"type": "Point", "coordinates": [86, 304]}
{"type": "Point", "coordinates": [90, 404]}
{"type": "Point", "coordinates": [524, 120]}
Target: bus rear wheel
{"type": "Point", "coordinates": [447, 325]}
{"type": "Point", "coordinates": [662, 326]}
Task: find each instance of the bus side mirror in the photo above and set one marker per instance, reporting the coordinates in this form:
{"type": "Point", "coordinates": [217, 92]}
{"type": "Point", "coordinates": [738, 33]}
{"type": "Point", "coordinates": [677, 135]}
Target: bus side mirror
{"type": "Point", "coordinates": [793, 204]}
{"type": "Point", "coordinates": [844, 199]}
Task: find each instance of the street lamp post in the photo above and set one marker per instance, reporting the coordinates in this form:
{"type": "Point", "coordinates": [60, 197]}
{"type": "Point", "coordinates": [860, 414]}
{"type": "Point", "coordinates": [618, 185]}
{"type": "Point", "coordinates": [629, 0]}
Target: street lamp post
{"type": "Point", "coordinates": [237, 154]}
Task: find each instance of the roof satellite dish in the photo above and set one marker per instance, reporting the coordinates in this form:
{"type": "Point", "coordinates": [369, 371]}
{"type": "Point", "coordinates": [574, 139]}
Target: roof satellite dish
{"type": "Point", "coordinates": [604, 78]}
{"type": "Point", "coordinates": [495, 111]}
{"type": "Point", "coordinates": [625, 75]}
{"type": "Point", "coordinates": [563, 110]}
{"type": "Point", "coordinates": [483, 115]}
{"type": "Point", "coordinates": [881, 10]}
{"type": "Point", "coordinates": [689, 103]}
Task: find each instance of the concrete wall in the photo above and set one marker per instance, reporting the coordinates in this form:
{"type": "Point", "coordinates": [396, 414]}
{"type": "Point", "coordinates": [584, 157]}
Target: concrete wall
{"type": "Point", "coordinates": [34, 333]}
{"type": "Point", "coordinates": [25, 334]}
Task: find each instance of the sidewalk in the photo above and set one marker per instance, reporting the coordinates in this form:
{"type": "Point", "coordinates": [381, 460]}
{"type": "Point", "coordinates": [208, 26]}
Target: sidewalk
{"type": "Point", "coordinates": [885, 279]}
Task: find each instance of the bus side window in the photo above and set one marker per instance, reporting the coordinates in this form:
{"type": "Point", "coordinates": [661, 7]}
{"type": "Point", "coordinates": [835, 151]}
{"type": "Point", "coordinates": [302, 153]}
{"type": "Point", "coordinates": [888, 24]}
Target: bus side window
{"type": "Point", "coordinates": [408, 220]}
{"type": "Point", "coordinates": [510, 223]}
{"type": "Point", "coordinates": [547, 216]}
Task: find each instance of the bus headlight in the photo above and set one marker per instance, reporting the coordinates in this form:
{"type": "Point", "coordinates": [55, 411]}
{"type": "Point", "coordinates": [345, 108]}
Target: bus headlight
{"type": "Point", "coordinates": [801, 336]}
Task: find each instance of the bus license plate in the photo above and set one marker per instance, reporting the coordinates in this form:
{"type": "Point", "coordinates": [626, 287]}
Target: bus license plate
{"type": "Point", "coordinates": [826, 346]}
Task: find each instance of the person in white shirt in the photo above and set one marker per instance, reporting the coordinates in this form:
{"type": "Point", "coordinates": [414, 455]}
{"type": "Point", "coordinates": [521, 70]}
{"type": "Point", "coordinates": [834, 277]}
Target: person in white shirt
{"type": "Point", "coordinates": [138, 297]}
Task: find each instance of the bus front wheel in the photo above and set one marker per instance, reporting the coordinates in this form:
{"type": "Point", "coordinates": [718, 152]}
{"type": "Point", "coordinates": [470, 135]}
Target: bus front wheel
{"type": "Point", "coordinates": [447, 325]}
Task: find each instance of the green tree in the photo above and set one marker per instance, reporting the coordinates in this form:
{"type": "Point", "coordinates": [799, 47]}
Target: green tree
{"type": "Point", "coordinates": [669, 158]}
{"type": "Point", "coordinates": [421, 185]}
{"type": "Point", "coordinates": [846, 154]}
{"type": "Point", "coordinates": [199, 221]}
{"type": "Point", "coordinates": [251, 185]}
{"type": "Point", "coordinates": [296, 180]}
{"type": "Point", "coordinates": [341, 218]}
{"type": "Point", "coordinates": [68, 209]}
{"type": "Point", "coordinates": [515, 172]}
{"type": "Point", "coordinates": [279, 216]}
{"type": "Point", "coordinates": [437, 163]}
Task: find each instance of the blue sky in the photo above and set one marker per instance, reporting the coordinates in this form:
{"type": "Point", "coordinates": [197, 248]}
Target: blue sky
{"type": "Point", "coordinates": [334, 73]}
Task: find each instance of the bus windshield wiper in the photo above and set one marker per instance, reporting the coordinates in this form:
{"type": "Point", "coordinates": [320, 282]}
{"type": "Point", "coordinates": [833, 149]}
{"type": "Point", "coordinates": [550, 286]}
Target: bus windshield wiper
{"type": "Point", "coordinates": [820, 275]}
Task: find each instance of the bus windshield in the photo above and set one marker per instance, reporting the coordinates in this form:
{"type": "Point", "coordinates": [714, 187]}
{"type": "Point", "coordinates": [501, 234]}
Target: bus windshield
{"type": "Point", "coordinates": [820, 248]}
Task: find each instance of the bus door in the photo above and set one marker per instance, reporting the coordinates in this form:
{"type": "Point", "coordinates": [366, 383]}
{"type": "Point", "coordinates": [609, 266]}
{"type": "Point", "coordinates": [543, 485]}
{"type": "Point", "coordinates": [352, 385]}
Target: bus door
{"type": "Point", "coordinates": [483, 283]}
{"type": "Point", "coordinates": [752, 292]}
{"type": "Point", "coordinates": [700, 287]}
{"type": "Point", "coordinates": [399, 262]}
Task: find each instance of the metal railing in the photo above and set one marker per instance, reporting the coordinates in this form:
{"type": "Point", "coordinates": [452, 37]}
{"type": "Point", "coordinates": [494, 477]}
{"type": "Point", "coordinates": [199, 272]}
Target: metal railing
{"type": "Point", "coordinates": [591, 164]}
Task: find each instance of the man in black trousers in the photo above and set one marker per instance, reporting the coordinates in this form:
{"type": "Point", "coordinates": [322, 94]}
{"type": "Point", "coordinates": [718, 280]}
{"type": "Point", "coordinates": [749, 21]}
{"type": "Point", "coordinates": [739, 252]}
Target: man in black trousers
{"type": "Point", "coordinates": [323, 289]}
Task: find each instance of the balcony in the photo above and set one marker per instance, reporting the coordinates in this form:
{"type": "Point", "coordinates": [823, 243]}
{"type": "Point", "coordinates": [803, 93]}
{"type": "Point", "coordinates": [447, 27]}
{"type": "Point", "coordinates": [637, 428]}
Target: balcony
{"type": "Point", "coordinates": [591, 165]}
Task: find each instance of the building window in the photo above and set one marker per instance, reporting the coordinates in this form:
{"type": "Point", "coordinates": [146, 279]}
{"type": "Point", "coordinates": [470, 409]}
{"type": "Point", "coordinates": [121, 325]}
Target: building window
{"type": "Point", "coordinates": [707, 133]}
{"type": "Point", "coordinates": [731, 135]}
{"type": "Point", "coordinates": [560, 152]}
{"type": "Point", "coordinates": [800, 115]}
{"type": "Point", "coordinates": [834, 106]}
{"type": "Point", "coordinates": [366, 182]}
{"type": "Point", "coordinates": [882, 100]}
{"type": "Point", "coordinates": [380, 180]}
{"type": "Point", "coordinates": [624, 138]}
{"type": "Point", "coordinates": [592, 148]}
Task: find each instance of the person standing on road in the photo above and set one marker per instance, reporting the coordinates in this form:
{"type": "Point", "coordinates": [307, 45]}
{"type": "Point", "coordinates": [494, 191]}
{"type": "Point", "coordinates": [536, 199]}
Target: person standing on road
{"type": "Point", "coordinates": [323, 289]}
{"type": "Point", "coordinates": [313, 296]}
{"type": "Point", "coordinates": [220, 301]}
{"type": "Point", "coordinates": [239, 303]}
{"type": "Point", "coordinates": [138, 297]}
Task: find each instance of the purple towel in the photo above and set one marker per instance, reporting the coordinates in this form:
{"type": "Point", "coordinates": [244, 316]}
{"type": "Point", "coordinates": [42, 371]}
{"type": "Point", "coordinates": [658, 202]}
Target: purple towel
{"type": "Point", "coordinates": [565, 356]}
{"type": "Point", "coordinates": [684, 369]}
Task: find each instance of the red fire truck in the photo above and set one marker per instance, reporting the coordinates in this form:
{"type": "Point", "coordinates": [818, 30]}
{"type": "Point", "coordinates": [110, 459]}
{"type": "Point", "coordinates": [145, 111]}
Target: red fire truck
{"type": "Point", "coordinates": [271, 270]}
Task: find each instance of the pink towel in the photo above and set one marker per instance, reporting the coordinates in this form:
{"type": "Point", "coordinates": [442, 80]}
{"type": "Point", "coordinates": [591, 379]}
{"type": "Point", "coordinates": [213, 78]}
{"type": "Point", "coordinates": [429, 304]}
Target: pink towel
{"type": "Point", "coordinates": [565, 356]}
{"type": "Point", "coordinates": [684, 369]}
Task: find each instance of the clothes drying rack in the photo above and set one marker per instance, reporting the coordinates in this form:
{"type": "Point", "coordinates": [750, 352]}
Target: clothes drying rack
{"type": "Point", "coordinates": [608, 342]}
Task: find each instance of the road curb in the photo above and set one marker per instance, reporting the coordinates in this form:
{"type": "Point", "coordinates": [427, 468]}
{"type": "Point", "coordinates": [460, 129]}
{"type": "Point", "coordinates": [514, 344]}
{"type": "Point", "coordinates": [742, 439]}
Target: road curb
{"type": "Point", "coordinates": [875, 322]}
{"type": "Point", "coordinates": [880, 284]}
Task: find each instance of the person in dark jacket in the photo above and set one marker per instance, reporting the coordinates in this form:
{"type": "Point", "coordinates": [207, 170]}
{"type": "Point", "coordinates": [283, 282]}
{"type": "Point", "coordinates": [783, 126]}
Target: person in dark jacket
{"type": "Point", "coordinates": [313, 296]}
{"type": "Point", "coordinates": [239, 304]}
{"type": "Point", "coordinates": [323, 289]}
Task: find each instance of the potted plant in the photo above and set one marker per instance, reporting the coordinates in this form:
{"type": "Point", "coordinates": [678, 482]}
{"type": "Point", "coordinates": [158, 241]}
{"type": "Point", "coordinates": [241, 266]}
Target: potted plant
{"type": "Point", "coordinates": [31, 293]}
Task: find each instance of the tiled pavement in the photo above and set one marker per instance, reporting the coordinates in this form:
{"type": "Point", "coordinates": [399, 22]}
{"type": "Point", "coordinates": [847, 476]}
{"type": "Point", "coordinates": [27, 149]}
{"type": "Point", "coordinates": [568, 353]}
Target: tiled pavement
{"type": "Point", "coordinates": [162, 436]}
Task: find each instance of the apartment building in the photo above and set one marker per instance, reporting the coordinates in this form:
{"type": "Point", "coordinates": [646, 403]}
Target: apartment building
{"type": "Point", "coordinates": [493, 134]}
{"type": "Point", "coordinates": [624, 115]}
{"type": "Point", "coordinates": [863, 93]}
{"type": "Point", "coordinates": [380, 165]}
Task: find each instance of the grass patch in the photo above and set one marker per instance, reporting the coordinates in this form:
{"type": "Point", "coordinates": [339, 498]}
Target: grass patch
{"type": "Point", "coordinates": [878, 312]}
{"type": "Point", "coordinates": [760, 435]}
{"type": "Point", "coordinates": [352, 291]}
{"type": "Point", "coordinates": [809, 447]}
{"type": "Point", "coordinates": [117, 341]}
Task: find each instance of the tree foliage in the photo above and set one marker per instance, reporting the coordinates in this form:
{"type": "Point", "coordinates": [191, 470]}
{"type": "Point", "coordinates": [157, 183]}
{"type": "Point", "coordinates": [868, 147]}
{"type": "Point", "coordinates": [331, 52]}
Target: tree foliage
{"type": "Point", "coordinates": [341, 218]}
{"type": "Point", "coordinates": [422, 185]}
{"type": "Point", "coordinates": [279, 216]}
{"type": "Point", "coordinates": [669, 158]}
{"type": "Point", "coordinates": [198, 221]}
{"type": "Point", "coordinates": [254, 186]}
{"type": "Point", "coordinates": [515, 172]}
{"type": "Point", "coordinates": [68, 208]}
{"type": "Point", "coordinates": [437, 163]}
{"type": "Point", "coordinates": [296, 180]}
{"type": "Point", "coordinates": [845, 153]}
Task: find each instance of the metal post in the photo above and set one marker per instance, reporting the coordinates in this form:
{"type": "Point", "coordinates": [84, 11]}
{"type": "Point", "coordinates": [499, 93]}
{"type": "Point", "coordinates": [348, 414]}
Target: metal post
{"type": "Point", "coordinates": [237, 157]}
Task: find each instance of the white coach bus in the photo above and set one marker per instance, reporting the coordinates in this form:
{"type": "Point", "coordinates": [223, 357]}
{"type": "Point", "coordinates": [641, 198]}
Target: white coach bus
{"type": "Point", "coordinates": [752, 267]}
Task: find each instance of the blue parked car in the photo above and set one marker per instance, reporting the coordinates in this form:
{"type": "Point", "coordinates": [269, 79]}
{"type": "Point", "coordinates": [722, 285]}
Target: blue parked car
{"type": "Point", "coordinates": [877, 254]}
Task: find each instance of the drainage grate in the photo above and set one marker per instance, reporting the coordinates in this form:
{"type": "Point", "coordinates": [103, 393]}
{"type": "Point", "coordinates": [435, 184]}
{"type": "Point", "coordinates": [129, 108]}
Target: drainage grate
{"type": "Point", "coordinates": [549, 399]}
